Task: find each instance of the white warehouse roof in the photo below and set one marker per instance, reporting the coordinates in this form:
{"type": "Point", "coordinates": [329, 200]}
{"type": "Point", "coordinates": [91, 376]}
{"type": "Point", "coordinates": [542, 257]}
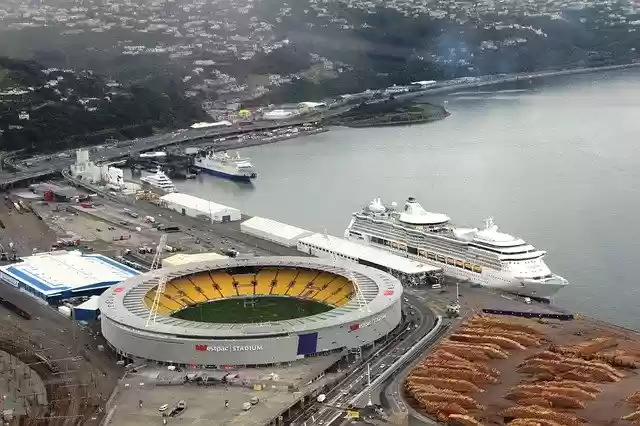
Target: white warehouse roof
{"type": "Point", "coordinates": [373, 255]}
{"type": "Point", "coordinates": [278, 232]}
{"type": "Point", "coordinates": [198, 206]}
{"type": "Point", "coordinates": [62, 273]}
{"type": "Point", "coordinates": [183, 258]}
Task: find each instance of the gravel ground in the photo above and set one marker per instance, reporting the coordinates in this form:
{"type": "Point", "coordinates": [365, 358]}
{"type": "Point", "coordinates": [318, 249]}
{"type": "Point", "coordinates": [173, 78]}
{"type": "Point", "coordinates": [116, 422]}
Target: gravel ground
{"type": "Point", "coordinates": [86, 375]}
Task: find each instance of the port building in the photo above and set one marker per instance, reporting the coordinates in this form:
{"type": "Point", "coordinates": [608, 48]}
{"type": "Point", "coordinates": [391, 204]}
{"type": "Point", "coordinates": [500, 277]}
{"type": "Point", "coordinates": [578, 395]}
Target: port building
{"type": "Point", "coordinates": [188, 205]}
{"type": "Point", "coordinates": [271, 230]}
{"type": "Point", "coordinates": [183, 258]}
{"type": "Point", "coordinates": [60, 275]}
{"type": "Point", "coordinates": [410, 272]}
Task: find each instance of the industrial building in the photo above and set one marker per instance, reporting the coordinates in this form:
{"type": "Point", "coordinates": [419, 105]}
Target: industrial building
{"type": "Point", "coordinates": [61, 275]}
{"type": "Point", "coordinates": [183, 258]}
{"type": "Point", "coordinates": [88, 171]}
{"type": "Point", "coordinates": [188, 205]}
{"type": "Point", "coordinates": [365, 307]}
{"type": "Point", "coordinates": [280, 114]}
{"type": "Point", "coordinates": [53, 192]}
{"type": "Point", "coordinates": [271, 230]}
{"type": "Point", "coordinates": [410, 272]}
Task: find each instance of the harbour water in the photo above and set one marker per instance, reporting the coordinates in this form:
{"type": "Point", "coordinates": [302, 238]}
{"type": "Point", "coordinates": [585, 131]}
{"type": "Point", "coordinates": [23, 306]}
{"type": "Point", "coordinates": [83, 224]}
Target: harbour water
{"type": "Point", "coordinates": [555, 162]}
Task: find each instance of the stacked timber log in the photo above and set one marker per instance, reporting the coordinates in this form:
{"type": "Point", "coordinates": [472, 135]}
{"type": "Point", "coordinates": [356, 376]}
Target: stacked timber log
{"type": "Point", "coordinates": [634, 417]}
{"type": "Point", "coordinates": [444, 382]}
{"type": "Point", "coordinates": [564, 378]}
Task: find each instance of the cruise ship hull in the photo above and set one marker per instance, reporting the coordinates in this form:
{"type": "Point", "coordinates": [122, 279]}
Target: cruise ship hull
{"type": "Point", "coordinates": [491, 278]}
{"type": "Point", "coordinates": [495, 280]}
{"type": "Point", "coordinates": [226, 175]}
{"type": "Point", "coordinates": [149, 187]}
{"type": "Point", "coordinates": [488, 278]}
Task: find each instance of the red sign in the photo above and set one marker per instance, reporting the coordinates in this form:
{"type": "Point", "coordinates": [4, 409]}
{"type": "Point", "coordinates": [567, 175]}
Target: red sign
{"type": "Point", "coordinates": [118, 289]}
{"type": "Point", "coordinates": [354, 327]}
{"type": "Point", "coordinates": [201, 348]}
{"type": "Point", "coordinates": [388, 292]}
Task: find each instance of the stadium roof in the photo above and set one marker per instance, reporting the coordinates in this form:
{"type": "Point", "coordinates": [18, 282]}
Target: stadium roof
{"type": "Point", "coordinates": [60, 272]}
{"type": "Point", "coordinates": [124, 302]}
{"type": "Point", "coordinates": [184, 258]}
{"type": "Point", "coordinates": [374, 255]}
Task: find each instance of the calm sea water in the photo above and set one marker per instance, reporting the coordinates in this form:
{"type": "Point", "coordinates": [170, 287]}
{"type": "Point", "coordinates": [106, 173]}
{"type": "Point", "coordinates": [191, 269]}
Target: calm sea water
{"type": "Point", "coordinates": [556, 163]}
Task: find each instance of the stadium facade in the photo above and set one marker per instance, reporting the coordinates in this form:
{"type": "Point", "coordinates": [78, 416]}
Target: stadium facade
{"type": "Point", "coordinates": [360, 314]}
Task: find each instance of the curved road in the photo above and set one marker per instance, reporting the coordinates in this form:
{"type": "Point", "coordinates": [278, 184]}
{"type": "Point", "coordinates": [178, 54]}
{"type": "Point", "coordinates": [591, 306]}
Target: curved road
{"type": "Point", "coordinates": [420, 321]}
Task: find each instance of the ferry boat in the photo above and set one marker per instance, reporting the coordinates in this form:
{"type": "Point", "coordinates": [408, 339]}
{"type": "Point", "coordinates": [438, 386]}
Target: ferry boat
{"type": "Point", "coordinates": [158, 182]}
{"type": "Point", "coordinates": [482, 256]}
{"type": "Point", "coordinates": [223, 165]}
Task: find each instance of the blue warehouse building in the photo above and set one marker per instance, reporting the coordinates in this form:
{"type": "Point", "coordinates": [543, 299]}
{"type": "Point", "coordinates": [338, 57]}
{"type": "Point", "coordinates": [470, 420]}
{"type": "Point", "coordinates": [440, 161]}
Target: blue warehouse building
{"type": "Point", "coordinates": [60, 275]}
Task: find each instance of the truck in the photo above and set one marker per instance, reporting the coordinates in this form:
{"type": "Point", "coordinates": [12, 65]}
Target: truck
{"type": "Point", "coordinates": [179, 408]}
{"type": "Point", "coordinates": [453, 310]}
{"type": "Point", "coordinates": [131, 213]}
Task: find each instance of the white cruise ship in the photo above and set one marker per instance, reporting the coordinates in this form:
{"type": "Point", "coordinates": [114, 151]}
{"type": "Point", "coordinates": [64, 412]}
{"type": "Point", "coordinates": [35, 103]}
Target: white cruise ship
{"type": "Point", "coordinates": [223, 165]}
{"type": "Point", "coordinates": [486, 257]}
{"type": "Point", "coordinates": [158, 182]}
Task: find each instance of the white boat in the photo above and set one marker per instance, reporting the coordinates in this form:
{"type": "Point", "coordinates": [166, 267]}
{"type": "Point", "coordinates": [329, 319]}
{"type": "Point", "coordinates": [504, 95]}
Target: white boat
{"type": "Point", "coordinates": [158, 182]}
{"type": "Point", "coordinates": [486, 257]}
{"type": "Point", "coordinates": [223, 165]}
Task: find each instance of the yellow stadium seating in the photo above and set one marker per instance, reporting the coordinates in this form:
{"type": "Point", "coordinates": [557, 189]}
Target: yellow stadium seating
{"type": "Point", "coordinates": [333, 288]}
{"type": "Point", "coordinates": [299, 285]}
{"type": "Point", "coordinates": [244, 284]}
{"type": "Point", "coordinates": [205, 286]}
{"type": "Point", "coordinates": [264, 280]}
{"type": "Point", "coordinates": [284, 278]}
{"type": "Point", "coordinates": [167, 301]}
{"type": "Point", "coordinates": [225, 282]}
{"type": "Point", "coordinates": [341, 295]}
{"type": "Point", "coordinates": [190, 290]}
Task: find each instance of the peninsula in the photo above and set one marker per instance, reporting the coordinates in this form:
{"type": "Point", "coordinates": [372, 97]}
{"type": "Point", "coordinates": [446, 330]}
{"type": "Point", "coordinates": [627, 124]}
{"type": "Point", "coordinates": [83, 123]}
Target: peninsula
{"type": "Point", "coordinates": [391, 112]}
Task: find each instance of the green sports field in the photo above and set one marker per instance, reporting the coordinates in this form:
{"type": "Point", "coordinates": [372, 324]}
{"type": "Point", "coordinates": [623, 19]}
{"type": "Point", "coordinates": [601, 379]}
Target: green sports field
{"type": "Point", "coordinates": [261, 309]}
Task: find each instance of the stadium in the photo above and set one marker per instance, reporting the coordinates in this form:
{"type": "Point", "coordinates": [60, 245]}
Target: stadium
{"type": "Point", "coordinates": [257, 311]}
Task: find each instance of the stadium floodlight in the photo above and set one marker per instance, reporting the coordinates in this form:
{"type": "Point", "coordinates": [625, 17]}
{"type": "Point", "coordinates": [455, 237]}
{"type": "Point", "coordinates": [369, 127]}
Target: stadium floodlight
{"type": "Point", "coordinates": [160, 276]}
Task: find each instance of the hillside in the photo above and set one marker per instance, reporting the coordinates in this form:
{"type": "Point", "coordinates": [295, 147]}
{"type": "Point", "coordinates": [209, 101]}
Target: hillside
{"type": "Point", "coordinates": [51, 109]}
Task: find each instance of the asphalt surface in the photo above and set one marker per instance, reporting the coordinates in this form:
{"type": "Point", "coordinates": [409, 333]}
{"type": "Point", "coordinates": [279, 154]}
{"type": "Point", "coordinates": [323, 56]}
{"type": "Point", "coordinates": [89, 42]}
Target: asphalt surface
{"type": "Point", "coordinates": [211, 235]}
{"type": "Point", "coordinates": [421, 320]}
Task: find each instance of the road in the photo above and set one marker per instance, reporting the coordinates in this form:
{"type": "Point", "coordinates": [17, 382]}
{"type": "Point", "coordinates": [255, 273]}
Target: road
{"type": "Point", "coordinates": [422, 320]}
{"type": "Point", "coordinates": [212, 235]}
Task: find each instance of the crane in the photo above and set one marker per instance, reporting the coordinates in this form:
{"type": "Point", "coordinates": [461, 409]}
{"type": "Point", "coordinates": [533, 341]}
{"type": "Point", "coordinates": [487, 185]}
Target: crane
{"type": "Point", "coordinates": [160, 276]}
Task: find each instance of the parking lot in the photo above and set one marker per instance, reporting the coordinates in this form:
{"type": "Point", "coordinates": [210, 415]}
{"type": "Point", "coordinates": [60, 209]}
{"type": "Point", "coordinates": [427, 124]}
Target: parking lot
{"type": "Point", "coordinates": [155, 387]}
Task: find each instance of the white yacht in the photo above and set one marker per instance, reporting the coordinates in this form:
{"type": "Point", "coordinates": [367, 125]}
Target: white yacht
{"type": "Point", "coordinates": [158, 182]}
{"type": "Point", "coordinates": [223, 165]}
{"type": "Point", "coordinates": [482, 256]}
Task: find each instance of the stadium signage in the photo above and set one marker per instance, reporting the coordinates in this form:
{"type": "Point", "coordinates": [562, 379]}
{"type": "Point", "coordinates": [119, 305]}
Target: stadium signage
{"type": "Point", "coordinates": [9, 279]}
{"type": "Point", "coordinates": [354, 327]}
{"type": "Point", "coordinates": [230, 348]}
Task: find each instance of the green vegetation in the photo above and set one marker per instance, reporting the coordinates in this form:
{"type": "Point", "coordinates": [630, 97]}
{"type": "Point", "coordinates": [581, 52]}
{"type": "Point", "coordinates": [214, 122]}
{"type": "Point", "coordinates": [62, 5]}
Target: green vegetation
{"type": "Point", "coordinates": [390, 113]}
{"type": "Point", "coordinates": [244, 310]}
{"type": "Point", "coordinates": [83, 109]}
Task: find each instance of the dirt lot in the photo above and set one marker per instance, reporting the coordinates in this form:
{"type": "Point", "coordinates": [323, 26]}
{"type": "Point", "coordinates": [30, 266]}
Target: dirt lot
{"type": "Point", "coordinates": [86, 376]}
{"type": "Point", "coordinates": [566, 357]}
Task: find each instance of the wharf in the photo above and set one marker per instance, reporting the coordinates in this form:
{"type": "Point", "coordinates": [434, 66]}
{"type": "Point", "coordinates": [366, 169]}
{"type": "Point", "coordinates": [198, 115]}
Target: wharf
{"type": "Point", "coordinates": [109, 229]}
{"type": "Point", "coordinates": [579, 345]}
